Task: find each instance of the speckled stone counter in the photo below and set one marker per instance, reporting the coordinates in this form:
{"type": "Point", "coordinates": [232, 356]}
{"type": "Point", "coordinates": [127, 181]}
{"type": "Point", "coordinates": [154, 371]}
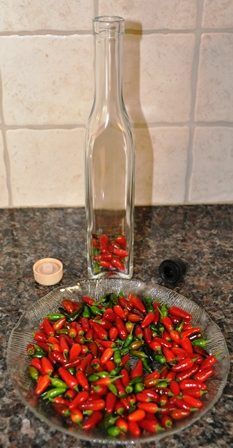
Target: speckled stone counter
{"type": "Point", "coordinates": [201, 235]}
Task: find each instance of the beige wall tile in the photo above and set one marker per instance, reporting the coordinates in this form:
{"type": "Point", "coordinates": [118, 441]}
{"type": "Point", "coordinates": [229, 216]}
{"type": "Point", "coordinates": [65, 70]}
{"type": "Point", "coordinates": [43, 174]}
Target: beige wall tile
{"type": "Point", "coordinates": [3, 187]}
{"type": "Point", "coordinates": [218, 13]}
{"type": "Point", "coordinates": [212, 177]}
{"type": "Point", "coordinates": [161, 157]}
{"type": "Point", "coordinates": [46, 79]}
{"type": "Point", "coordinates": [30, 15]}
{"type": "Point", "coordinates": [157, 77]}
{"type": "Point", "coordinates": [152, 14]}
{"type": "Point", "coordinates": [47, 167]}
{"type": "Point", "coordinates": [215, 78]}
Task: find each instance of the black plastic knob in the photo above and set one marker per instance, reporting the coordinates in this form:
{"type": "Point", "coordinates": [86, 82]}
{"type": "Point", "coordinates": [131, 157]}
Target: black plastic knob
{"type": "Point", "coordinates": [172, 271]}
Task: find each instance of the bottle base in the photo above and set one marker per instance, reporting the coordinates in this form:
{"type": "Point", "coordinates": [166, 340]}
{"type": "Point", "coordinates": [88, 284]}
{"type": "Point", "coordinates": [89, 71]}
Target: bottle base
{"type": "Point", "coordinates": [110, 275]}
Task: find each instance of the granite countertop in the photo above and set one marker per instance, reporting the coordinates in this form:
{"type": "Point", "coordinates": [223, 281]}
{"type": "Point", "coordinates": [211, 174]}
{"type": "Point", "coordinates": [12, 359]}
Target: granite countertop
{"type": "Point", "coordinates": [201, 235]}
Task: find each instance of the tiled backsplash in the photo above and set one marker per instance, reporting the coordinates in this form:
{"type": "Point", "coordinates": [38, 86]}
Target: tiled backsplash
{"type": "Point", "coordinates": [178, 88]}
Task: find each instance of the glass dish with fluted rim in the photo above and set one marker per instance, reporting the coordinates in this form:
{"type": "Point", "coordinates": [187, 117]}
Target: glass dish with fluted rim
{"type": "Point", "coordinates": [22, 334]}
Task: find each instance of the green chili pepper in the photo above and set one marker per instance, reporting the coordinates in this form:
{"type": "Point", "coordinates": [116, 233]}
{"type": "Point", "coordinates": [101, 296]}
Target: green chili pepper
{"type": "Point", "coordinates": [154, 328]}
{"type": "Point", "coordinates": [88, 412]}
{"type": "Point", "coordinates": [62, 331]}
{"type": "Point", "coordinates": [138, 354]}
{"type": "Point", "coordinates": [103, 374]}
{"type": "Point", "coordinates": [179, 327]}
{"type": "Point", "coordinates": [113, 388]}
{"type": "Point", "coordinates": [55, 316]}
{"type": "Point", "coordinates": [136, 344]}
{"type": "Point", "coordinates": [146, 365]}
{"type": "Point", "coordinates": [56, 382]}
{"type": "Point", "coordinates": [110, 420]}
{"type": "Point", "coordinates": [96, 267]}
{"type": "Point", "coordinates": [86, 311]}
{"type": "Point", "coordinates": [39, 353]}
{"type": "Point", "coordinates": [129, 389]}
{"type": "Point", "coordinates": [148, 303]}
{"type": "Point", "coordinates": [113, 431]}
{"type": "Point", "coordinates": [160, 358]}
{"type": "Point", "coordinates": [72, 370]}
{"type": "Point", "coordinates": [33, 372]}
{"type": "Point", "coordinates": [161, 328]}
{"type": "Point", "coordinates": [139, 387]}
{"type": "Point", "coordinates": [115, 371]}
{"type": "Point", "coordinates": [93, 377]}
{"type": "Point", "coordinates": [128, 340]}
{"type": "Point", "coordinates": [163, 310]}
{"type": "Point", "coordinates": [201, 342]}
{"type": "Point", "coordinates": [52, 393]}
{"type": "Point", "coordinates": [95, 310]}
{"type": "Point", "coordinates": [117, 357]}
{"type": "Point", "coordinates": [161, 383]}
{"type": "Point", "coordinates": [137, 379]}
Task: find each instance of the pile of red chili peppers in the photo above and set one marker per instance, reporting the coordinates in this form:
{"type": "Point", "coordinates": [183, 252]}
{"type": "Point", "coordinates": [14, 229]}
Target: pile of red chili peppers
{"type": "Point", "coordinates": [109, 254]}
{"type": "Point", "coordinates": [125, 364]}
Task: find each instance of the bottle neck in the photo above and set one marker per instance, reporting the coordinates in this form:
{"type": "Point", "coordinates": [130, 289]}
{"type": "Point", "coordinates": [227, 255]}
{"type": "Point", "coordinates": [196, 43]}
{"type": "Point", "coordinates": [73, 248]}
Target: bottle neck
{"type": "Point", "coordinates": [108, 77]}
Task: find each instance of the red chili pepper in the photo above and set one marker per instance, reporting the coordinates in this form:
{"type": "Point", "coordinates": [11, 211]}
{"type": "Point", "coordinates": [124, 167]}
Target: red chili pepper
{"type": "Point", "coordinates": [74, 352]}
{"type": "Point", "coordinates": [137, 303]}
{"type": "Point", "coordinates": [184, 364]}
{"type": "Point", "coordinates": [85, 323]}
{"type": "Point", "coordinates": [155, 345]}
{"type": "Point", "coordinates": [151, 408]}
{"type": "Point", "coordinates": [56, 356]}
{"type": "Point", "coordinates": [166, 321]}
{"type": "Point", "coordinates": [36, 362]}
{"type": "Point", "coordinates": [197, 393]}
{"type": "Point", "coordinates": [121, 253]}
{"type": "Point", "coordinates": [121, 328]}
{"type": "Point", "coordinates": [100, 331]}
{"type": "Point", "coordinates": [125, 359]}
{"type": "Point", "coordinates": [80, 398]}
{"type": "Point", "coordinates": [190, 384]}
{"type": "Point", "coordinates": [110, 402]}
{"type": "Point", "coordinates": [187, 346]}
{"type": "Point", "coordinates": [60, 400]}
{"type": "Point", "coordinates": [119, 311]}
{"type": "Point", "coordinates": [70, 394]}
{"type": "Point", "coordinates": [179, 414]}
{"type": "Point", "coordinates": [76, 416]}
{"type": "Point", "coordinates": [64, 345]}
{"type": "Point", "coordinates": [133, 317]}
{"type": "Point", "coordinates": [46, 366]}
{"type": "Point", "coordinates": [170, 376]}
{"type": "Point", "coordinates": [150, 425]}
{"type": "Point", "coordinates": [208, 362]}
{"type": "Point", "coordinates": [203, 375]}
{"type": "Point", "coordinates": [69, 379]}
{"type": "Point", "coordinates": [122, 424]}
{"type": "Point", "coordinates": [163, 401]}
{"type": "Point", "coordinates": [93, 405]}
{"type": "Point", "coordinates": [120, 387]}
{"type": "Point", "coordinates": [109, 315]}
{"type": "Point", "coordinates": [113, 333]}
{"type": "Point", "coordinates": [47, 327]}
{"type": "Point", "coordinates": [175, 336]}
{"type": "Point", "coordinates": [121, 240]}
{"type": "Point", "coordinates": [40, 336]}
{"type": "Point", "coordinates": [68, 305]}
{"type": "Point", "coordinates": [125, 377]}
{"type": "Point", "coordinates": [92, 421]}
{"type": "Point", "coordinates": [192, 401]}
{"type": "Point", "coordinates": [82, 379]}
{"type": "Point", "coordinates": [59, 324]}
{"type": "Point", "coordinates": [89, 334]}
{"type": "Point", "coordinates": [148, 319]}
{"type": "Point", "coordinates": [169, 355]}
{"type": "Point", "coordinates": [179, 352]}
{"type": "Point", "coordinates": [151, 379]}
{"type": "Point", "coordinates": [110, 365]}
{"type": "Point", "coordinates": [88, 300]}
{"type": "Point", "coordinates": [137, 415]}
{"type": "Point", "coordinates": [107, 354]}
{"type": "Point", "coordinates": [148, 335]}
{"type": "Point", "coordinates": [147, 395]}
{"type": "Point", "coordinates": [138, 369]}
{"type": "Point", "coordinates": [175, 388]}
{"type": "Point", "coordinates": [166, 421]}
{"type": "Point", "coordinates": [134, 429]}
{"type": "Point", "coordinates": [178, 312]}
{"type": "Point", "coordinates": [116, 263]}
{"type": "Point", "coordinates": [42, 384]}
{"type": "Point", "coordinates": [190, 331]}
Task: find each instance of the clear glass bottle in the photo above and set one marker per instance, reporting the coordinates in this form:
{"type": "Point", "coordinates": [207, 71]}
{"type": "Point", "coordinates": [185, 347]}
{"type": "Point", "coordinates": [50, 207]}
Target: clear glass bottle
{"type": "Point", "coordinates": [109, 161]}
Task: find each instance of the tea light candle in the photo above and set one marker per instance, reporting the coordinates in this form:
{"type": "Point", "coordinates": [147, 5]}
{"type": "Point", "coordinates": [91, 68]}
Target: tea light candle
{"type": "Point", "coordinates": [48, 271]}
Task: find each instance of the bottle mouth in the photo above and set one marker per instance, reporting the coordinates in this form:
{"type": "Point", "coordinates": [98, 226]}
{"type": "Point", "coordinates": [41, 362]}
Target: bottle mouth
{"type": "Point", "coordinates": [108, 24]}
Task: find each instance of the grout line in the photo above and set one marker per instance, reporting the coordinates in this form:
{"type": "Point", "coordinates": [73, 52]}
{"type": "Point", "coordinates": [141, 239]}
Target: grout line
{"type": "Point", "coordinates": [158, 124]}
{"type": "Point", "coordinates": [6, 157]}
{"type": "Point", "coordinates": [96, 7]}
{"type": "Point", "coordinates": [48, 32]}
{"type": "Point", "coordinates": [195, 67]}
{"type": "Point", "coordinates": [43, 127]}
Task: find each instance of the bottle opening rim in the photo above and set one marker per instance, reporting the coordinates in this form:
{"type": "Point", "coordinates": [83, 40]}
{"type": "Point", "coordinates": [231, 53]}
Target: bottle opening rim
{"type": "Point", "coordinates": [108, 23]}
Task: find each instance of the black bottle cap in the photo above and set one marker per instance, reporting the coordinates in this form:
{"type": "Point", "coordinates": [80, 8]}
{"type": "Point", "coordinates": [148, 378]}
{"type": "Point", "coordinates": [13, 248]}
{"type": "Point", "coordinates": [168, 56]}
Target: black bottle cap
{"type": "Point", "coordinates": [172, 271]}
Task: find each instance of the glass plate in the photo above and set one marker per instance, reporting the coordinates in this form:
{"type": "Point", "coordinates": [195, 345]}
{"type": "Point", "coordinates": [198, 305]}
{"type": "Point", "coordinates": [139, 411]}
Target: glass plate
{"type": "Point", "coordinates": [22, 334]}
